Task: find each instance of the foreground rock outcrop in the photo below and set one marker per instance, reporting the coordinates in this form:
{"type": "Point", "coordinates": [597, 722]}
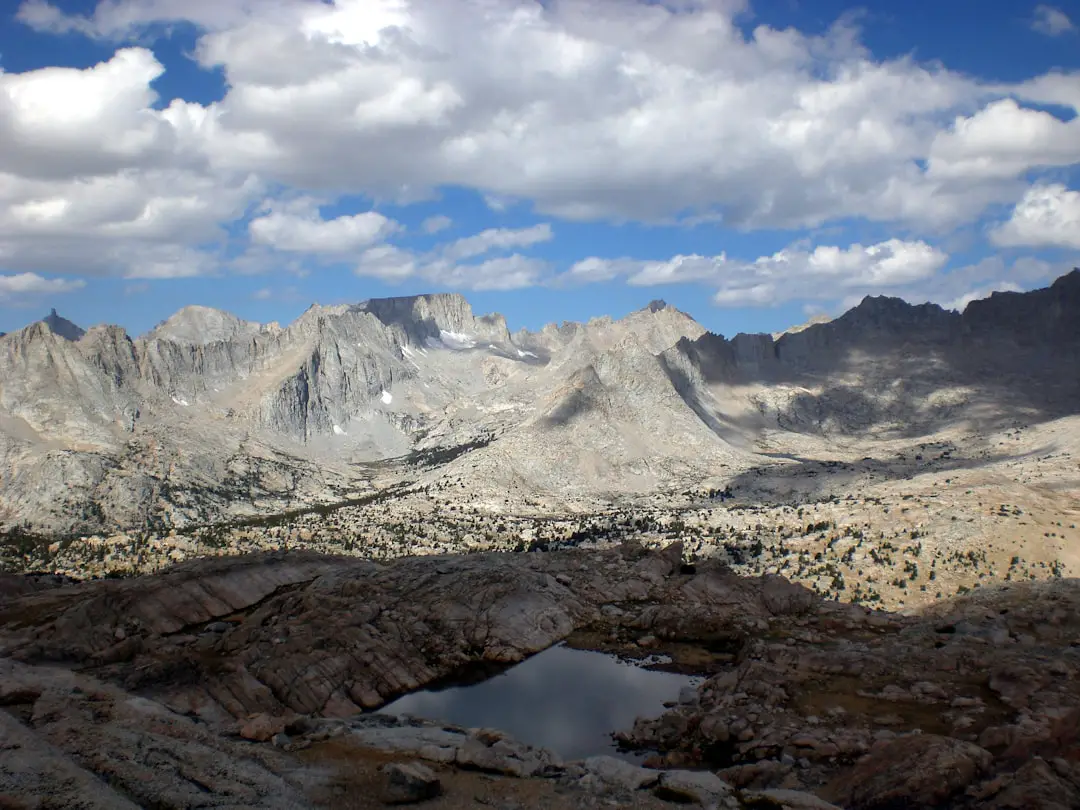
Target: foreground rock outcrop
{"type": "Point", "coordinates": [234, 682]}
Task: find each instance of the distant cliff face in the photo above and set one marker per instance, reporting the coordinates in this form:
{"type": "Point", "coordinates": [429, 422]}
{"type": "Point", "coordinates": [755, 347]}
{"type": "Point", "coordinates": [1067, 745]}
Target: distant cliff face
{"type": "Point", "coordinates": [1046, 317]}
{"type": "Point", "coordinates": [885, 360]}
{"type": "Point", "coordinates": [428, 317]}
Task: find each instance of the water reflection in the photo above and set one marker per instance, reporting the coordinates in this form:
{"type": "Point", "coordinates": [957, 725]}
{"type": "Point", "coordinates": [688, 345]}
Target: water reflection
{"type": "Point", "coordinates": [563, 699]}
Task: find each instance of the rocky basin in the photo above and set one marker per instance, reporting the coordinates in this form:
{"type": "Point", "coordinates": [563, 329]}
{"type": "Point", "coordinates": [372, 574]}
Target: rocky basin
{"type": "Point", "coordinates": [565, 699]}
{"type": "Point", "coordinates": [249, 682]}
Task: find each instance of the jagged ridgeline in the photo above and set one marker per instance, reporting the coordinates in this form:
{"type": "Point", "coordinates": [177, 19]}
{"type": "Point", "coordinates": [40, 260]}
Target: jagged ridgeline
{"type": "Point", "coordinates": [209, 417]}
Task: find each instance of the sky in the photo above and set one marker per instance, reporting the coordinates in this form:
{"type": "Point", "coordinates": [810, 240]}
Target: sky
{"type": "Point", "coordinates": [753, 163]}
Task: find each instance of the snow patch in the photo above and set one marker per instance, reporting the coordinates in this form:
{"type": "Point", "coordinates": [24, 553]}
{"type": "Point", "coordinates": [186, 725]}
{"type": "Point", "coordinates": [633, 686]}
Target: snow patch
{"type": "Point", "coordinates": [386, 397]}
{"type": "Point", "coordinates": [183, 402]}
{"type": "Point", "coordinates": [338, 431]}
{"type": "Point", "coordinates": [525, 354]}
{"type": "Point", "coordinates": [456, 340]}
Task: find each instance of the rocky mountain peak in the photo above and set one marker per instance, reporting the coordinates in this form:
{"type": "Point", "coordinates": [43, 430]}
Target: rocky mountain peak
{"type": "Point", "coordinates": [890, 315]}
{"type": "Point", "coordinates": [429, 316]}
{"type": "Point", "coordinates": [656, 305]}
{"type": "Point", "coordinates": [1046, 316]}
{"type": "Point", "coordinates": [1070, 281]}
{"type": "Point", "coordinates": [62, 327]}
{"type": "Point", "coordinates": [199, 325]}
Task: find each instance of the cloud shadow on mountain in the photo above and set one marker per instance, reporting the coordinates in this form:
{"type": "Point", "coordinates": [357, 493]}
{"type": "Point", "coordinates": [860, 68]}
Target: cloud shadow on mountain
{"type": "Point", "coordinates": [574, 405]}
{"type": "Point", "coordinates": [909, 370]}
{"type": "Point", "coordinates": [815, 478]}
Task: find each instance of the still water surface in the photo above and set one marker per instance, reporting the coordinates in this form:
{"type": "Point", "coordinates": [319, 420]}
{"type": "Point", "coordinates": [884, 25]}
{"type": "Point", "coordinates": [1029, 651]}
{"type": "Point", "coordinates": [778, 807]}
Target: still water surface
{"type": "Point", "coordinates": [564, 699]}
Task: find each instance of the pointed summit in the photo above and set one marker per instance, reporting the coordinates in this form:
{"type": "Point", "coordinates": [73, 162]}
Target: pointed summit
{"type": "Point", "coordinates": [62, 326]}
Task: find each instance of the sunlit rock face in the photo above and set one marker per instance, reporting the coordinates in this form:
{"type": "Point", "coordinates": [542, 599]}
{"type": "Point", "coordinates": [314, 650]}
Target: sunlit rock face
{"type": "Point", "coordinates": [208, 416]}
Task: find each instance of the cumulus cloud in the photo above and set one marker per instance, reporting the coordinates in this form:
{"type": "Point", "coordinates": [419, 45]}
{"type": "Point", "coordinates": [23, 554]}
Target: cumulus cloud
{"type": "Point", "coordinates": [60, 122]}
{"type": "Point", "coordinates": [1002, 141]}
{"type": "Point", "coordinates": [28, 284]}
{"type": "Point", "coordinates": [959, 287]}
{"type": "Point", "coordinates": [497, 239]}
{"type": "Point", "coordinates": [614, 109]}
{"type": "Point", "coordinates": [826, 272]}
{"type": "Point", "coordinates": [501, 273]}
{"type": "Point", "coordinates": [439, 222]}
{"type": "Point", "coordinates": [93, 180]}
{"type": "Point", "coordinates": [960, 303]}
{"type": "Point", "coordinates": [121, 19]}
{"type": "Point", "coordinates": [117, 224]}
{"type": "Point", "coordinates": [387, 262]}
{"type": "Point", "coordinates": [1047, 216]}
{"type": "Point", "coordinates": [1051, 21]}
{"type": "Point", "coordinates": [594, 269]}
{"type": "Point", "coordinates": [299, 228]}
{"type": "Point", "coordinates": [447, 265]}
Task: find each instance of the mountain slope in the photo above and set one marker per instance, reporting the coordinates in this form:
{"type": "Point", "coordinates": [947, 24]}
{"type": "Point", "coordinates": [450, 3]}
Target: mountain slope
{"type": "Point", "coordinates": [208, 416]}
{"type": "Point", "coordinates": [887, 366]}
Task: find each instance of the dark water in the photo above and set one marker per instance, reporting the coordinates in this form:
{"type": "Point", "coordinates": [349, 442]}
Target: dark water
{"type": "Point", "coordinates": [563, 699]}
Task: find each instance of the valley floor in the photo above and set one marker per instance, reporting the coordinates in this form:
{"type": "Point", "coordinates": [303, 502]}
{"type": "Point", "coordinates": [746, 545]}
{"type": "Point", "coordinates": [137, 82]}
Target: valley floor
{"type": "Point", "coordinates": [896, 524]}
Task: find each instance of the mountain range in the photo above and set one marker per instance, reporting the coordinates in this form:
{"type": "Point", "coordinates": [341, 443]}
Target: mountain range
{"type": "Point", "coordinates": [209, 416]}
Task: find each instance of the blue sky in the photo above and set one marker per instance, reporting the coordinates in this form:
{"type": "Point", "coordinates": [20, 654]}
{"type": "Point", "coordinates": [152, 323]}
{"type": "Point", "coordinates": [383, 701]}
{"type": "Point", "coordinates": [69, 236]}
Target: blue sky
{"type": "Point", "coordinates": [753, 164]}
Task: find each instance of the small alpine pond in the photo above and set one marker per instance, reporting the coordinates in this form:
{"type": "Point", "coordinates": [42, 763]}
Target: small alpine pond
{"type": "Point", "coordinates": [564, 699]}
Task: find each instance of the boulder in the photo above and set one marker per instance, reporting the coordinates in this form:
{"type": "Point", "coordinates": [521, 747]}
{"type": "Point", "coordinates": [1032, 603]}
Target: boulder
{"type": "Point", "coordinates": [696, 787]}
{"type": "Point", "coordinates": [261, 727]}
{"type": "Point", "coordinates": [620, 773]}
{"type": "Point", "coordinates": [408, 782]}
{"type": "Point", "coordinates": [917, 770]}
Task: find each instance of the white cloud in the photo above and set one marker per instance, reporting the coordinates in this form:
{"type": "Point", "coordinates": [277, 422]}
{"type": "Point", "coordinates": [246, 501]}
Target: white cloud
{"type": "Point", "coordinates": [1047, 216]}
{"type": "Point", "coordinates": [299, 228]}
{"type": "Point", "coordinates": [594, 269]}
{"type": "Point", "coordinates": [1002, 141]}
{"type": "Point", "coordinates": [25, 284]}
{"type": "Point", "coordinates": [826, 272]}
{"type": "Point", "coordinates": [498, 239]}
{"type": "Point", "coordinates": [501, 273]}
{"type": "Point", "coordinates": [93, 180]}
{"type": "Point", "coordinates": [443, 268]}
{"type": "Point", "coordinates": [439, 222]}
{"type": "Point", "coordinates": [960, 303]}
{"type": "Point", "coordinates": [387, 262]}
{"type": "Point", "coordinates": [829, 271]}
{"type": "Point", "coordinates": [58, 122]}
{"type": "Point", "coordinates": [957, 288]}
{"type": "Point", "coordinates": [121, 19]}
{"type": "Point", "coordinates": [1051, 21]}
{"type": "Point", "coordinates": [499, 205]}
{"type": "Point", "coordinates": [611, 109]}
{"type": "Point", "coordinates": [679, 270]}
